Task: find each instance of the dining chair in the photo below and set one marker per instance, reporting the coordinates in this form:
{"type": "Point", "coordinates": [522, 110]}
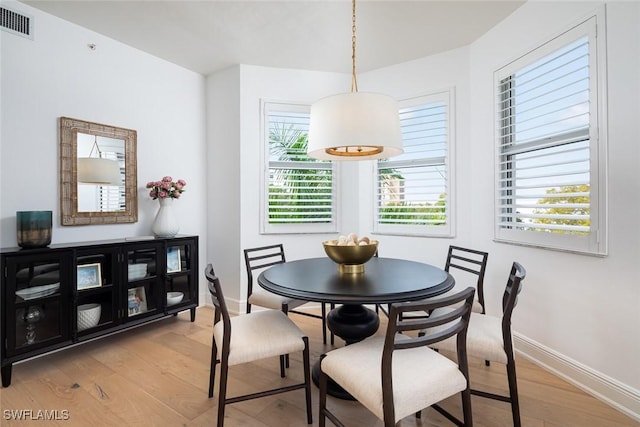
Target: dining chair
{"type": "Point", "coordinates": [490, 338]}
{"type": "Point", "coordinates": [397, 375]}
{"type": "Point", "coordinates": [468, 267]}
{"type": "Point", "coordinates": [250, 337]}
{"type": "Point", "coordinates": [260, 258]}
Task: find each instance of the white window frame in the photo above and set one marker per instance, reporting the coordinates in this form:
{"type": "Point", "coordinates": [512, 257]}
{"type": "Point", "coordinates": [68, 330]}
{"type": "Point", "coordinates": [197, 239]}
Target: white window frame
{"type": "Point", "coordinates": [266, 107]}
{"type": "Point", "coordinates": [447, 97]}
{"type": "Point", "coordinates": [595, 243]}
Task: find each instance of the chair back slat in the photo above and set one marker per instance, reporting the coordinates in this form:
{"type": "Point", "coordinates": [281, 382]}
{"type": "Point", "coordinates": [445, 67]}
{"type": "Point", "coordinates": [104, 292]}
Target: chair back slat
{"type": "Point", "coordinates": [455, 319]}
{"type": "Point", "coordinates": [472, 262]}
{"type": "Point", "coordinates": [273, 253]}
{"type": "Point", "coordinates": [260, 258]}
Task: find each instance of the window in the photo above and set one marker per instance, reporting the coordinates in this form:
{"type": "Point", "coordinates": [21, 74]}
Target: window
{"type": "Point", "coordinates": [413, 190]}
{"type": "Point", "coordinates": [111, 197]}
{"type": "Point", "coordinates": [550, 157]}
{"type": "Point", "coordinates": [299, 192]}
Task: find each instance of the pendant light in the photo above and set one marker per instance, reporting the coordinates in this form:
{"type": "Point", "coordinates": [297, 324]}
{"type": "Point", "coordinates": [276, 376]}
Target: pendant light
{"type": "Point", "coordinates": [355, 125]}
{"type": "Point", "coordinates": [97, 170]}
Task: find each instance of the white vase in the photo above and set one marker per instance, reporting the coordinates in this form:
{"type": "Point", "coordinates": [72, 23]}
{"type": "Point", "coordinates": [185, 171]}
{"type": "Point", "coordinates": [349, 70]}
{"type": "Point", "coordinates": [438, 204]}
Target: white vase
{"type": "Point", "coordinates": [165, 224]}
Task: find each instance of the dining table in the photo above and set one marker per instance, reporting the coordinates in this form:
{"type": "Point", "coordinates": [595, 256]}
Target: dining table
{"type": "Point", "coordinates": [384, 281]}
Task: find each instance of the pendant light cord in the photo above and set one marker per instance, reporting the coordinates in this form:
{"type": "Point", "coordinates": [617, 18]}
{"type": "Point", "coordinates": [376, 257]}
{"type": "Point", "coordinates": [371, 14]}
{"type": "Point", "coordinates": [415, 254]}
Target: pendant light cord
{"type": "Point", "coordinates": [354, 81]}
{"type": "Point", "coordinates": [95, 145]}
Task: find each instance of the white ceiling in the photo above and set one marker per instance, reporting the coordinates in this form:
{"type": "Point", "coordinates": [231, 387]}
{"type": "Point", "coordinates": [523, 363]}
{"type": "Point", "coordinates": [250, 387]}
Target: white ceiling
{"type": "Point", "coordinates": [206, 36]}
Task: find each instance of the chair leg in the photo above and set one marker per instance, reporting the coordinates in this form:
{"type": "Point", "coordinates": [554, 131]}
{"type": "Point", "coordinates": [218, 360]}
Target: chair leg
{"type": "Point", "coordinates": [466, 407]}
{"type": "Point", "coordinates": [285, 310]}
{"type": "Point", "coordinates": [282, 365]}
{"type": "Point", "coordinates": [324, 323]}
{"type": "Point", "coordinates": [307, 379]}
{"type": "Point", "coordinates": [322, 399]}
{"type": "Point", "coordinates": [222, 398]}
{"type": "Point", "coordinates": [332, 306]}
{"type": "Point", "coordinates": [513, 392]}
{"type": "Point", "coordinates": [212, 371]}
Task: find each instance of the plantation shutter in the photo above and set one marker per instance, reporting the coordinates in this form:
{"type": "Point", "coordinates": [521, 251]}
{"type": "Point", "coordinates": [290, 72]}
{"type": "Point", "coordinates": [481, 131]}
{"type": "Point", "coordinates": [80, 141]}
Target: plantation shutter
{"type": "Point", "coordinates": [544, 148]}
{"type": "Point", "coordinates": [300, 189]}
{"type": "Point", "coordinates": [413, 188]}
{"type": "Point", "coordinates": [110, 197]}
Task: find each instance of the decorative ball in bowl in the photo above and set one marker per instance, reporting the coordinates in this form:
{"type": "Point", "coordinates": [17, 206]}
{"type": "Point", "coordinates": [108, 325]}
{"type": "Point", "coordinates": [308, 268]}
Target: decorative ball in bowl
{"type": "Point", "coordinates": [88, 316]}
{"type": "Point", "coordinates": [174, 297]}
{"type": "Point", "coordinates": [350, 253]}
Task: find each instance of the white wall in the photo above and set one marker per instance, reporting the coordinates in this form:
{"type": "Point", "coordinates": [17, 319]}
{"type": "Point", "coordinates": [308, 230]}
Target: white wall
{"type": "Point", "coordinates": [448, 70]}
{"type": "Point", "coordinates": [576, 313]}
{"type": "Point", "coordinates": [223, 180]}
{"type": "Point", "coordinates": [56, 74]}
{"type": "Point", "coordinates": [240, 139]}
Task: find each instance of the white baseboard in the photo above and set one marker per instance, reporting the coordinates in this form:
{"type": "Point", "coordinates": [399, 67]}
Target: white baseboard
{"type": "Point", "coordinates": [618, 395]}
{"type": "Point", "coordinates": [611, 391]}
{"type": "Point", "coordinates": [233, 305]}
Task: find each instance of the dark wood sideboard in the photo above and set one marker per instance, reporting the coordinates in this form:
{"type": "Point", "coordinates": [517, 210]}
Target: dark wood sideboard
{"type": "Point", "coordinates": [126, 282]}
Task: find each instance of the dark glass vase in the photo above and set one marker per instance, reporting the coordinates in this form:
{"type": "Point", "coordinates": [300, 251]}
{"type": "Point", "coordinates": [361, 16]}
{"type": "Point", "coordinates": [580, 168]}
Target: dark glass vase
{"type": "Point", "coordinates": [34, 228]}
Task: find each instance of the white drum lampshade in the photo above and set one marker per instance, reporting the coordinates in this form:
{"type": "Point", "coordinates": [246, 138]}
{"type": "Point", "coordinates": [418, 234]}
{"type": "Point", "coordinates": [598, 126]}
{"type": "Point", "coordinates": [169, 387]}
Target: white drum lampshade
{"type": "Point", "coordinates": [98, 171]}
{"type": "Point", "coordinates": [355, 126]}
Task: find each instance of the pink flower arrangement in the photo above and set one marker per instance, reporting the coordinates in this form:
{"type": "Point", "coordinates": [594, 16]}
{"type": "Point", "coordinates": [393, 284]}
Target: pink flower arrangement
{"type": "Point", "coordinates": [166, 188]}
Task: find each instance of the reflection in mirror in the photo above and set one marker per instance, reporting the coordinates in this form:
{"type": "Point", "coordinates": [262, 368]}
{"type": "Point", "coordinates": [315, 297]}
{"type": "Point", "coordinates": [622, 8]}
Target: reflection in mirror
{"type": "Point", "coordinates": [106, 191]}
{"type": "Point", "coordinates": [99, 158]}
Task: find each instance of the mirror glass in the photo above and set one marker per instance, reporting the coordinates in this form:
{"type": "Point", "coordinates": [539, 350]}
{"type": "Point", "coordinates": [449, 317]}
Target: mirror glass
{"type": "Point", "coordinates": [99, 197]}
{"type": "Point", "coordinates": [98, 173]}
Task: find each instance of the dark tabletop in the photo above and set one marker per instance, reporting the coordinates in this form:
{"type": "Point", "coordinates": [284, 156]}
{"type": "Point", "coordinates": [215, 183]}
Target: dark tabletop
{"type": "Point", "coordinates": [385, 280]}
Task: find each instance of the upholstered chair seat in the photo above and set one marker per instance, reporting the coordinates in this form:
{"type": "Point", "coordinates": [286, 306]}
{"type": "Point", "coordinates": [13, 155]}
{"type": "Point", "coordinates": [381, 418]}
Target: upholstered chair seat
{"type": "Point", "coordinates": [484, 338]}
{"type": "Point", "coordinates": [259, 335]}
{"type": "Point", "coordinates": [268, 299]}
{"type": "Point", "coordinates": [421, 376]}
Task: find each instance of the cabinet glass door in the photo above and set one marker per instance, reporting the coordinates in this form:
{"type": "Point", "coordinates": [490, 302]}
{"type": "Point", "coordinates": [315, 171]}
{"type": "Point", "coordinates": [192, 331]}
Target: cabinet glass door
{"type": "Point", "coordinates": [96, 296]}
{"type": "Point", "coordinates": [180, 283]}
{"type": "Point", "coordinates": [37, 302]}
{"type": "Point", "coordinates": [143, 292]}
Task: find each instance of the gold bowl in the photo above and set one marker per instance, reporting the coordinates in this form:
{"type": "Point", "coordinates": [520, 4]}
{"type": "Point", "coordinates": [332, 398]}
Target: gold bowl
{"type": "Point", "coordinates": [350, 258]}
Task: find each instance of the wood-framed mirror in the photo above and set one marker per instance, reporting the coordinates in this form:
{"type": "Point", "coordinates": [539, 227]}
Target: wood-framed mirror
{"type": "Point", "coordinates": [86, 198]}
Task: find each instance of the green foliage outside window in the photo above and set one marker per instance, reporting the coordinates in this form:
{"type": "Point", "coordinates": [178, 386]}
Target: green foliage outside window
{"type": "Point", "coordinates": [299, 193]}
{"type": "Point", "coordinates": [577, 205]}
{"type": "Point", "coordinates": [403, 212]}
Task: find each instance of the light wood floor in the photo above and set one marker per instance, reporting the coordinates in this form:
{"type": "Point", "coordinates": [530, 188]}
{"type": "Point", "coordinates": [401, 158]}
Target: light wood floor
{"type": "Point", "coordinates": [157, 375]}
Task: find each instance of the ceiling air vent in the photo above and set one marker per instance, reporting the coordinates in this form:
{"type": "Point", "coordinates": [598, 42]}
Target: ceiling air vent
{"type": "Point", "coordinates": [16, 23]}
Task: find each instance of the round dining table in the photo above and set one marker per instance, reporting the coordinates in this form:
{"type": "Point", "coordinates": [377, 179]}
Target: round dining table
{"type": "Point", "coordinates": [384, 281]}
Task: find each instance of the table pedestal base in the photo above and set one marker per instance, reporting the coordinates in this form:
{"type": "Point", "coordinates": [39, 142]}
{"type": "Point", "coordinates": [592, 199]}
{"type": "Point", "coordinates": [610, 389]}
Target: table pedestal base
{"type": "Point", "coordinates": [352, 323]}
